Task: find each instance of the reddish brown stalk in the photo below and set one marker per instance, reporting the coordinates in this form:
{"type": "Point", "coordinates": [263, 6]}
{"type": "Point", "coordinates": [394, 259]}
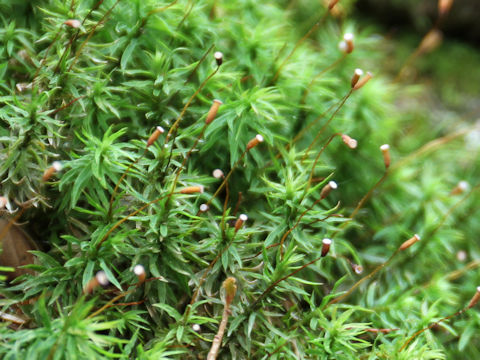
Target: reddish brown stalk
{"type": "Point", "coordinates": [328, 68]}
{"type": "Point", "coordinates": [110, 303]}
{"type": "Point", "coordinates": [296, 224]}
{"type": "Point", "coordinates": [309, 126]}
{"type": "Point", "coordinates": [151, 140]}
{"type": "Point", "coordinates": [42, 62]}
{"type": "Point", "coordinates": [152, 12]}
{"type": "Point", "coordinates": [242, 80]}
{"type": "Point", "coordinates": [207, 271]}
{"type": "Point", "coordinates": [432, 39]}
{"type": "Point", "coordinates": [77, 54]}
{"type": "Point", "coordinates": [475, 299]}
{"type": "Point", "coordinates": [362, 202]}
{"type": "Point", "coordinates": [227, 177]}
{"type": "Point", "coordinates": [185, 159]}
{"type": "Point", "coordinates": [74, 37]}
{"type": "Point", "coordinates": [190, 6]}
{"type": "Point", "coordinates": [326, 217]}
{"type": "Point", "coordinates": [429, 327]}
{"type": "Point", "coordinates": [404, 246]}
{"type": "Point", "coordinates": [429, 42]}
{"type": "Point", "coordinates": [115, 190]}
{"type": "Point", "coordinates": [95, 7]}
{"type": "Point", "coordinates": [239, 201]}
{"type": "Point", "coordinates": [320, 132]}
{"type": "Point", "coordinates": [276, 350]}
{"type": "Point", "coordinates": [212, 113]}
{"type": "Point", "coordinates": [156, 11]}
{"type": "Point", "coordinates": [120, 222]}
{"type": "Point", "coordinates": [66, 105]}
{"type": "Point", "coordinates": [225, 204]}
{"type": "Point", "coordinates": [312, 171]}
{"type": "Point", "coordinates": [277, 244]}
{"type": "Point", "coordinates": [128, 303]}
{"type": "Point", "coordinates": [305, 129]}
{"type": "Point", "coordinates": [212, 15]}
{"type": "Point", "coordinates": [382, 331]}
{"type": "Point", "coordinates": [275, 283]}
{"type": "Point", "coordinates": [300, 42]}
{"type": "Point", "coordinates": [447, 214]}
{"type": "Point", "coordinates": [295, 326]}
{"type": "Point", "coordinates": [458, 273]}
{"type": "Point", "coordinates": [182, 113]}
{"type": "Point", "coordinates": [432, 145]}
{"type": "Point", "coordinates": [362, 280]}
{"type": "Point", "coordinates": [194, 71]}
{"type": "Point", "coordinates": [368, 195]}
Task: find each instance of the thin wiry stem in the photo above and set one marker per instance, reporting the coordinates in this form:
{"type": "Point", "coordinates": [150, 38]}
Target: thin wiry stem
{"type": "Point", "coordinates": [184, 162]}
{"type": "Point", "coordinates": [312, 171]}
{"type": "Point", "coordinates": [362, 202]}
{"type": "Point", "coordinates": [108, 304]}
{"type": "Point", "coordinates": [179, 118]}
{"type": "Point", "coordinates": [202, 59]}
{"type": "Point", "coordinates": [368, 195]}
{"type": "Point", "coordinates": [75, 36]}
{"type": "Point", "coordinates": [170, 155]}
{"type": "Point", "coordinates": [328, 68]}
{"type": "Point", "coordinates": [320, 132]}
{"type": "Point", "coordinates": [431, 326]}
{"type": "Point", "coordinates": [187, 156]}
{"type": "Point", "coordinates": [190, 6]}
{"type": "Point", "coordinates": [227, 177]}
{"type": "Point", "coordinates": [306, 129]}
{"type": "Point", "coordinates": [457, 273]}
{"type": "Point", "coordinates": [120, 222]}
{"type": "Point", "coordinates": [449, 212]}
{"type": "Point", "coordinates": [275, 283]}
{"type": "Point", "coordinates": [300, 42]}
{"type": "Point", "coordinates": [277, 244]}
{"type": "Point", "coordinates": [432, 145]}
{"type": "Point", "coordinates": [205, 274]}
{"type": "Point", "coordinates": [42, 62]}
{"type": "Point", "coordinates": [309, 126]}
{"type": "Point", "coordinates": [156, 11]}
{"type": "Point", "coordinates": [225, 204]}
{"type": "Point", "coordinates": [77, 54]}
{"type": "Point", "coordinates": [194, 71]}
{"type": "Point", "coordinates": [66, 105]}
{"type": "Point", "coordinates": [296, 224]}
{"type": "Point", "coordinates": [362, 280]}
{"type": "Point", "coordinates": [117, 185]}
{"type": "Point", "coordinates": [237, 205]}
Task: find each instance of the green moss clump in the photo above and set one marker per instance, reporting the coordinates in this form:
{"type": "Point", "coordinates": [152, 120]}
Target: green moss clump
{"type": "Point", "coordinates": [89, 93]}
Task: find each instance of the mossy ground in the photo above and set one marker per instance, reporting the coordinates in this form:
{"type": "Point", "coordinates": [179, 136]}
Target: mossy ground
{"type": "Point", "coordinates": [91, 96]}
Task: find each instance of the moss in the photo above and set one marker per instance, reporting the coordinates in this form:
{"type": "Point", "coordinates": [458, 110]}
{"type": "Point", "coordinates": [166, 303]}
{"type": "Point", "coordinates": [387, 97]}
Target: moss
{"type": "Point", "coordinates": [91, 97]}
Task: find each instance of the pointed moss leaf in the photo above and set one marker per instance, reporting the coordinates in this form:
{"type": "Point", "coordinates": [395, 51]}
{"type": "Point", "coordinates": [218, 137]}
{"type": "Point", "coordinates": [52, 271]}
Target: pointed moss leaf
{"type": "Point", "coordinates": [110, 275]}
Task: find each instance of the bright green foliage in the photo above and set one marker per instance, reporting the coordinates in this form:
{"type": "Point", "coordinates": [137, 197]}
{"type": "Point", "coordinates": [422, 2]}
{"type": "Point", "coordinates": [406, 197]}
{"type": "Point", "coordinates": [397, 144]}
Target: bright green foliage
{"type": "Point", "coordinates": [91, 96]}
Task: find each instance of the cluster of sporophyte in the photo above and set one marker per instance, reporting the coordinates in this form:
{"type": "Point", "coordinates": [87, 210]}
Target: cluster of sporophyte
{"type": "Point", "coordinates": [180, 170]}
